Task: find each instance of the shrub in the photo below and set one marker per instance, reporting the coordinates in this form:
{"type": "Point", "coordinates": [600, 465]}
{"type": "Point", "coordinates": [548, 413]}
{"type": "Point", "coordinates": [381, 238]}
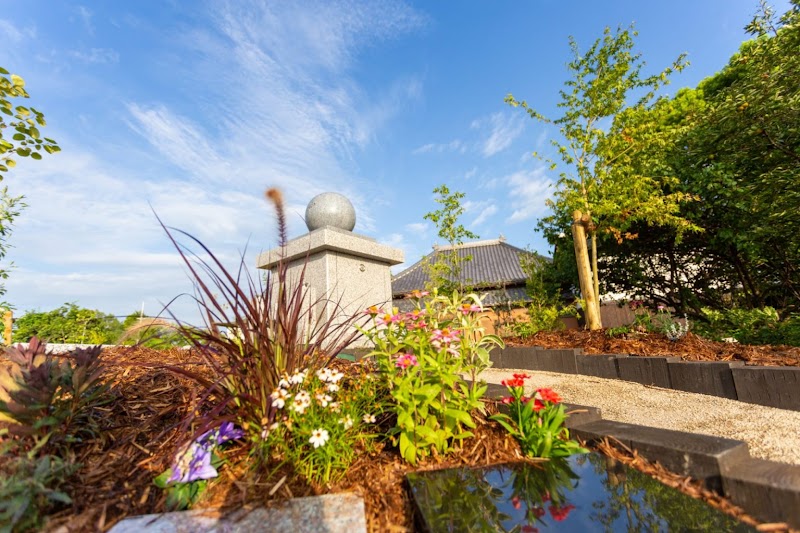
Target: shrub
{"type": "Point", "coordinates": [51, 399]}
{"type": "Point", "coordinates": [421, 356]}
{"type": "Point", "coordinates": [254, 333]}
{"type": "Point", "coordinates": [750, 326]}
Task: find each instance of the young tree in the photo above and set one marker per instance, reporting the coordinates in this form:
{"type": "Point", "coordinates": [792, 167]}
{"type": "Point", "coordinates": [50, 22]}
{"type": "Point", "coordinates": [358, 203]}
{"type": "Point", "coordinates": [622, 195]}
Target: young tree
{"type": "Point", "coordinates": [599, 182]}
{"type": "Point", "coordinates": [26, 141]}
{"type": "Point", "coordinates": [445, 272]}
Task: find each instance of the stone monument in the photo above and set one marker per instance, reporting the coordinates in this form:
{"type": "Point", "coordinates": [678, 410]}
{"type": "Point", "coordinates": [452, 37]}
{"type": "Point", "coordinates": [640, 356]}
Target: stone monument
{"type": "Point", "coordinates": [345, 272]}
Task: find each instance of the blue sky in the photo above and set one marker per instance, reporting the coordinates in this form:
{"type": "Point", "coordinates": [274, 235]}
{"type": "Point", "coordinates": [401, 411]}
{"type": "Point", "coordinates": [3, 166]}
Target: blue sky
{"type": "Point", "coordinates": [195, 108]}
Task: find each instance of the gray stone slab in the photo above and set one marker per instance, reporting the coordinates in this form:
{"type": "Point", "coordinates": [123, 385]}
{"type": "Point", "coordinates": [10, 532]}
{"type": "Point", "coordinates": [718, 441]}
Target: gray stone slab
{"type": "Point", "coordinates": [562, 361]}
{"type": "Point", "coordinates": [646, 370]}
{"type": "Point", "coordinates": [775, 386]}
{"type": "Point", "coordinates": [328, 513]}
{"type": "Point", "coordinates": [712, 378]}
{"type": "Point", "coordinates": [699, 456]}
{"type": "Point", "coordinates": [766, 489]}
{"type": "Point", "coordinates": [578, 415]}
{"type": "Point", "coordinates": [522, 357]}
{"type": "Point", "coordinates": [600, 365]}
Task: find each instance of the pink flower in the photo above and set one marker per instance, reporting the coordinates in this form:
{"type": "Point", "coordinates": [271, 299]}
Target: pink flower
{"type": "Point", "coordinates": [467, 308]}
{"type": "Point", "coordinates": [444, 336]}
{"type": "Point", "coordinates": [415, 315]}
{"type": "Point", "coordinates": [406, 360]}
{"type": "Point", "coordinates": [516, 503]}
{"type": "Point", "coordinates": [418, 294]}
{"type": "Point", "coordinates": [387, 319]}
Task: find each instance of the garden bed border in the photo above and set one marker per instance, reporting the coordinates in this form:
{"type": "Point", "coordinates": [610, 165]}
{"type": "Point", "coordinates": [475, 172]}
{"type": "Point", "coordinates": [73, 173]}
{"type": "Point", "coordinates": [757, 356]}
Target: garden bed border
{"type": "Point", "coordinates": [772, 386]}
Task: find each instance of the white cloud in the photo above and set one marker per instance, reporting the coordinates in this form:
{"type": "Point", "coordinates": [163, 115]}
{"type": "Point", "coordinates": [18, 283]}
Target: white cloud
{"type": "Point", "coordinates": [418, 228]}
{"type": "Point", "coordinates": [15, 34]}
{"type": "Point", "coordinates": [455, 145]}
{"type": "Point", "coordinates": [97, 56]}
{"type": "Point", "coordinates": [471, 173]}
{"type": "Point", "coordinates": [86, 17]}
{"type": "Point", "coordinates": [527, 192]}
{"type": "Point", "coordinates": [505, 128]}
{"type": "Point", "coordinates": [484, 215]}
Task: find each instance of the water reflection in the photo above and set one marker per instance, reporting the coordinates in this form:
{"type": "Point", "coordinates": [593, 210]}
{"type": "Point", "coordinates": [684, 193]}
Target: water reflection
{"type": "Point", "coordinates": [587, 492]}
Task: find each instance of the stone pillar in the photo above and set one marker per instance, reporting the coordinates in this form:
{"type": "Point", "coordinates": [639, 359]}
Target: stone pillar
{"type": "Point", "coordinates": [341, 267]}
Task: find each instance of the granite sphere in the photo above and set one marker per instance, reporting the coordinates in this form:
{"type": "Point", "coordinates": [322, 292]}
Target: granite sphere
{"type": "Point", "coordinates": [330, 209]}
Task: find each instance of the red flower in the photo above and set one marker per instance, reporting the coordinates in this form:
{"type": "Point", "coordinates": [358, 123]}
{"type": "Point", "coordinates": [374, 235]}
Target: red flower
{"type": "Point", "coordinates": [516, 382]}
{"type": "Point", "coordinates": [537, 512]}
{"type": "Point", "coordinates": [560, 514]}
{"type": "Point", "coordinates": [549, 395]}
{"type": "Point", "coordinates": [546, 497]}
{"type": "Point", "coordinates": [516, 503]}
{"type": "Point", "coordinates": [521, 376]}
{"type": "Point", "coordinates": [538, 405]}
{"type": "Point", "coordinates": [527, 528]}
{"type": "Point", "coordinates": [507, 400]}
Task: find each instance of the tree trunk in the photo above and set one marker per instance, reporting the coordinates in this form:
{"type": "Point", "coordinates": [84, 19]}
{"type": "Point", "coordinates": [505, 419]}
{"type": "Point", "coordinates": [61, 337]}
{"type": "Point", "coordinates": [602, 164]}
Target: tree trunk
{"type": "Point", "coordinates": [584, 273]}
{"type": "Point", "coordinates": [595, 275]}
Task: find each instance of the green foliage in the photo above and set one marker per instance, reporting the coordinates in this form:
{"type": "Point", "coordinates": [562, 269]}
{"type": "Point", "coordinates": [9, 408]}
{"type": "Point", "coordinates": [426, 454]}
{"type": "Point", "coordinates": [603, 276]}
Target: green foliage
{"type": "Point", "coordinates": [541, 317]}
{"type": "Point", "coordinates": [735, 146]}
{"type": "Point", "coordinates": [537, 422]}
{"type": "Point", "coordinates": [68, 324]}
{"type": "Point", "coordinates": [600, 178]}
{"type": "Point", "coordinates": [254, 334]}
{"type": "Point", "coordinates": [422, 355]}
{"type": "Point", "coordinates": [619, 331]}
{"type": "Point", "coordinates": [51, 400]}
{"type": "Point", "coordinates": [30, 488]}
{"type": "Point", "coordinates": [749, 326]}
{"type": "Point", "coordinates": [27, 141]}
{"type": "Point", "coordinates": [445, 272]}
{"type": "Point", "coordinates": [325, 420]}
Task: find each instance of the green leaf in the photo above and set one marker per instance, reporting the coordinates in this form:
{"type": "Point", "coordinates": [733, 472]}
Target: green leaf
{"type": "Point", "coordinates": [36, 155]}
{"type": "Point", "coordinates": [160, 481]}
{"type": "Point", "coordinates": [18, 137]}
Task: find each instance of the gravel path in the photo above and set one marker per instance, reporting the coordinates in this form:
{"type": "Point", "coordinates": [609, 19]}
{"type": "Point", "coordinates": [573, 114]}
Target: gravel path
{"type": "Point", "coordinates": [770, 433]}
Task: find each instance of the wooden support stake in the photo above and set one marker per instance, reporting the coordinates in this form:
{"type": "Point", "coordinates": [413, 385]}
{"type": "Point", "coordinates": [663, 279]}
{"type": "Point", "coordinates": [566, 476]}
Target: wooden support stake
{"type": "Point", "coordinates": [585, 273]}
{"type": "Point", "coordinates": [8, 320]}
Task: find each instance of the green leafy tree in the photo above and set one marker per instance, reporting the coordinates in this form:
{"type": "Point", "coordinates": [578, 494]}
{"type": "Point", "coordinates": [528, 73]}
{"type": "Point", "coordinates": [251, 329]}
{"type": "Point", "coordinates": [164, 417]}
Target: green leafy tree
{"type": "Point", "coordinates": [736, 147]}
{"type": "Point", "coordinates": [599, 178]}
{"type": "Point", "coordinates": [68, 324]}
{"type": "Point", "coordinates": [25, 141]}
{"type": "Point", "coordinates": [445, 271]}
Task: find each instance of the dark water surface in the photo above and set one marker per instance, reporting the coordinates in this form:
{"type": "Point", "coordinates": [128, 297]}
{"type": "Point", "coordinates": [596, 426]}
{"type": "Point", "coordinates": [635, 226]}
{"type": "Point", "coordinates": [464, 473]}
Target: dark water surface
{"type": "Point", "coordinates": [586, 492]}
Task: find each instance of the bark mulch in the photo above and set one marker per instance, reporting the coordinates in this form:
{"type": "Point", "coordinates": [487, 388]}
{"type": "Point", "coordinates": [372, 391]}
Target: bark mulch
{"type": "Point", "coordinates": [115, 478]}
{"type": "Point", "coordinates": [690, 347]}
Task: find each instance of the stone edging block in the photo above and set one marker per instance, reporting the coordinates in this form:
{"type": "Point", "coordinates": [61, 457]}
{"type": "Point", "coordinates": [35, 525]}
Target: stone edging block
{"type": "Point", "coordinates": [712, 378]}
{"type": "Point", "coordinates": [765, 488]}
{"type": "Point", "coordinates": [774, 386]}
{"type": "Point", "coordinates": [328, 512]}
{"type": "Point", "coordinates": [646, 370]}
{"type": "Point", "coordinates": [601, 366]}
{"type": "Point", "coordinates": [699, 456]}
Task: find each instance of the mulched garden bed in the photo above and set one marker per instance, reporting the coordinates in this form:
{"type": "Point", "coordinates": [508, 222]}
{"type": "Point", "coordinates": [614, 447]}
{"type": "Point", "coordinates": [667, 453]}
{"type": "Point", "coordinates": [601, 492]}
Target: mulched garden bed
{"type": "Point", "coordinates": [115, 479]}
{"type": "Point", "coordinates": [690, 347]}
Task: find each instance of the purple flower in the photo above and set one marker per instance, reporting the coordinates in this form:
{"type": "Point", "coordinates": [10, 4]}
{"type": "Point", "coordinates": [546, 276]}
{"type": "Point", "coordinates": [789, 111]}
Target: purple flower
{"type": "Point", "coordinates": [194, 462]}
{"type": "Point", "coordinates": [191, 464]}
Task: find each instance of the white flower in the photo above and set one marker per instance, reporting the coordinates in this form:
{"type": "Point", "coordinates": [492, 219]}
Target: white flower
{"type": "Point", "coordinates": [319, 437]}
{"type": "Point", "coordinates": [301, 402]}
{"type": "Point", "coordinates": [298, 377]}
{"type": "Point", "coordinates": [347, 422]}
{"type": "Point", "coordinates": [279, 397]}
{"type": "Point", "coordinates": [324, 374]}
{"type": "Point", "coordinates": [335, 376]}
{"type": "Point", "coordinates": [368, 418]}
{"type": "Point", "coordinates": [334, 406]}
{"type": "Point", "coordinates": [323, 399]}
{"type": "Point", "coordinates": [283, 383]}
{"type": "Point", "coordinates": [333, 387]}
